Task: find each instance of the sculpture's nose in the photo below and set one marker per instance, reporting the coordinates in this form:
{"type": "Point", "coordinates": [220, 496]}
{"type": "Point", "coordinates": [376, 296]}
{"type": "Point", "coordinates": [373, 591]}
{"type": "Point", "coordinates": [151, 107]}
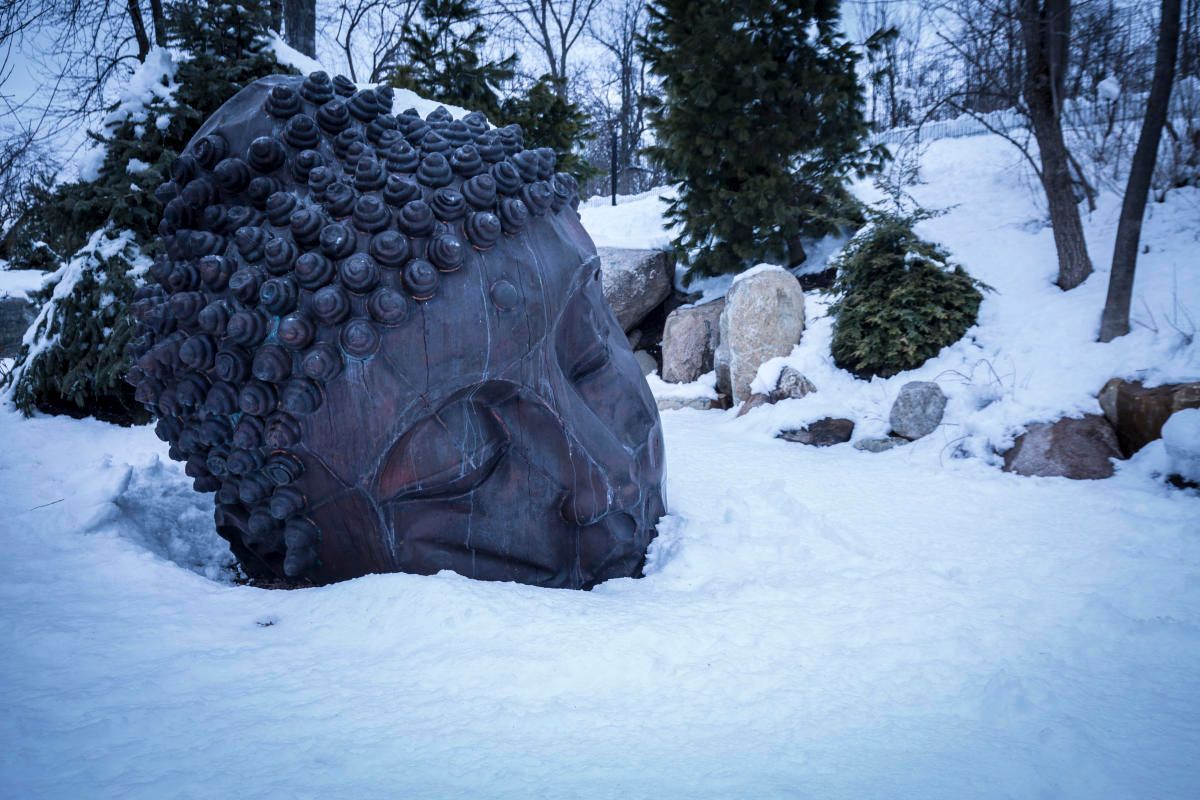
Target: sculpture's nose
{"type": "Point", "coordinates": [598, 494]}
{"type": "Point", "coordinates": [600, 468]}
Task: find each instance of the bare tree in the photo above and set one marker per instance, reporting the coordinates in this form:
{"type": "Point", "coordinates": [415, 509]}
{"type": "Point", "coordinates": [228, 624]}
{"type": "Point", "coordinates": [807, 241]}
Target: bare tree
{"type": "Point", "coordinates": [1046, 31]}
{"type": "Point", "coordinates": [623, 84]}
{"type": "Point", "coordinates": [300, 25]}
{"type": "Point", "coordinates": [891, 39]}
{"type": "Point", "coordinates": [1115, 320]}
{"type": "Point", "coordinates": [79, 47]}
{"type": "Point", "coordinates": [554, 28]}
{"type": "Point", "coordinates": [369, 35]}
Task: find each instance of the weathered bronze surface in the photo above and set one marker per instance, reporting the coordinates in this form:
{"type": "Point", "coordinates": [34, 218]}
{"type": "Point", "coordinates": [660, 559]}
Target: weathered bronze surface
{"type": "Point", "coordinates": [381, 341]}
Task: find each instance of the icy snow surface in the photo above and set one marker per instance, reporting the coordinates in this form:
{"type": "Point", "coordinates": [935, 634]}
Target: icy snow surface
{"type": "Point", "coordinates": [815, 622]}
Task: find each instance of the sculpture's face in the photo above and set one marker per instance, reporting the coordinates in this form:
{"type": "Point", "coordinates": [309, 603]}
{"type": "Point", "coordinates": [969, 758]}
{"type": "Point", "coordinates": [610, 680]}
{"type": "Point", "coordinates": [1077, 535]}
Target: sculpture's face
{"type": "Point", "coordinates": [378, 379]}
{"type": "Point", "coordinates": [504, 430]}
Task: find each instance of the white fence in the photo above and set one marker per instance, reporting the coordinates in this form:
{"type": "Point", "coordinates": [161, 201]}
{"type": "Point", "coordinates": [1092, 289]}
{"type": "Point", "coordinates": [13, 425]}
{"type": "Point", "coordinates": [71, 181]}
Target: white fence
{"type": "Point", "coordinates": [1077, 113]}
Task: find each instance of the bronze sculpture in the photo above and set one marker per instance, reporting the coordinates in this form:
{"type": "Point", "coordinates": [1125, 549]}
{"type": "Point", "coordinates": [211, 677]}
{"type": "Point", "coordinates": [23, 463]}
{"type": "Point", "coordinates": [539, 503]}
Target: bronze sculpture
{"type": "Point", "coordinates": [381, 341]}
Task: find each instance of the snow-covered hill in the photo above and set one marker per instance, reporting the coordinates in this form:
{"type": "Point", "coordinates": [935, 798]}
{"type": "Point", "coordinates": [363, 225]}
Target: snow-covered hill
{"type": "Point", "coordinates": [820, 623]}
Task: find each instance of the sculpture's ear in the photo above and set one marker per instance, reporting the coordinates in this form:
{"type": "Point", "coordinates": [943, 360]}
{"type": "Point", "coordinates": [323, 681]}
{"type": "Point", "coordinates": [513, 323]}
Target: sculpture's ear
{"type": "Point", "coordinates": [446, 454]}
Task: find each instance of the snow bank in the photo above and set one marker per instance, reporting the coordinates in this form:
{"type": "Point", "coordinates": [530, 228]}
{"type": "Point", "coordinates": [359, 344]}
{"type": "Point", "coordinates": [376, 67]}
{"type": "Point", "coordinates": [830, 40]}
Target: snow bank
{"type": "Point", "coordinates": [1181, 436]}
{"type": "Point", "coordinates": [636, 222]}
{"type": "Point", "coordinates": [20, 282]}
{"type": "Point", "coordinates": [815, 621]}
{"type": "Point", "coordinates": [1033, 356]}
{"type": "Point", "coordinates": [703, 388]}
{"type": "Point", "coordinates": [291, 57]}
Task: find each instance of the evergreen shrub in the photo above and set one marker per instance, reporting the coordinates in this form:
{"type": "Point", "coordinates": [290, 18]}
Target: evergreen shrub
{"type": "Point", "coordinates": [901, 298]}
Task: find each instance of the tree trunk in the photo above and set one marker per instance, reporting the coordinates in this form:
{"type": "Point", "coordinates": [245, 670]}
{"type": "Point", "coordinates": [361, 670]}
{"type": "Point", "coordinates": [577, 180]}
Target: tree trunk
{"type": "Point", "coordinates": [1115, 320]}
{"type": "Point", "coordinates": [300, 25]}
{"type": "Point", "coordinates": [160, 22]}
{"type": "Point", "coordinates": [1046, 30]}
{"type": "Point", "coordinates": [276, 7]}
{"type": "Point", "coordinates": [139, 29]}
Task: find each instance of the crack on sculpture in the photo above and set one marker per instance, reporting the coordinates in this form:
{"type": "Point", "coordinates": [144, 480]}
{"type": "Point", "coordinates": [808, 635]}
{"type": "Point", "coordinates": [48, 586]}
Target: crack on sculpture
{"type": "Point", "coordinates": [309, 238]}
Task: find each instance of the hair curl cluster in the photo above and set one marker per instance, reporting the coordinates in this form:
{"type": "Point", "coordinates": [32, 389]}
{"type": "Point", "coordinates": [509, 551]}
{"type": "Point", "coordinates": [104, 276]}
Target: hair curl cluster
{"type": "Point", "coordinates": [286, 257]}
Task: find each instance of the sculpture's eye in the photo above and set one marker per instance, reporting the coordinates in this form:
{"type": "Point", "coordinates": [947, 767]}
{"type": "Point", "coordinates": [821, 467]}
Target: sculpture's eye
{"type": "Point", "coordinates": [444, 455]}
{"type": "Point", "coordinates": [583, 340]}
{"type": "Point", "coordinates": [594, 354]}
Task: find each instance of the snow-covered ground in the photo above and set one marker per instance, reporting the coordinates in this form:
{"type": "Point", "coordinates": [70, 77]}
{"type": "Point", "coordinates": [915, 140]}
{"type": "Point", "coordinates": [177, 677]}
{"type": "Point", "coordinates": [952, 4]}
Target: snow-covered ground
{"type": "Point", "coordinates": [816, 623]}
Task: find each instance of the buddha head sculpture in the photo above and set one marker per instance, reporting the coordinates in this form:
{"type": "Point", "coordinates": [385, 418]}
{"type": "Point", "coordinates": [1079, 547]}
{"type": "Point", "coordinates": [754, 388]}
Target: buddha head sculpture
{"type": "Point", "coordinates": [381, 341]}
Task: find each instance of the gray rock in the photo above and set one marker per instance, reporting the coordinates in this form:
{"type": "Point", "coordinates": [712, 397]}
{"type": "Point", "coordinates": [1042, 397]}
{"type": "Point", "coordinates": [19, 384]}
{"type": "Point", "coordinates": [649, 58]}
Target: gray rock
{"type": "Point", "coordinates": [16, 315]}
{"type": "Point", "coordinates": [822, 433]}
{"type": "Point", "coordinates": [635, 281]}
{"type": "Point", "coordinates": [763, 318]}
{"type": "Point", "coordinates": [752, 402]}
{"type": "Point", "coordinates": [880, 443]}
{"type": "Point", "coordinates": [690, 338]}
{"type": "Point", "coordinates": [1070, 448]}
{"type": "Point", "coordinates": [646, 362]}
{"type": "Point", "coordinates": [792, 385]}
{"type": "Point", "coordinates": [918, 409]}
{"type": "Point", "coordinates": [674, 403]}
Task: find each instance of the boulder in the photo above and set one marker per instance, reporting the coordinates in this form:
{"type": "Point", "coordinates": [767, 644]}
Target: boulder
{"type": "Point", "coordinates": [822, 433]}
{"type": "Point", "coordinates": [645, 361]}
{"type": "Point", "coordinates": [879, 443]}
{"type": "Point", "coordinates": [791, 385]}
{"type": "Point", "coordinates": [16, 315]}
{"type": "Point", "coordinates": [635, 282]}
{"type": "Point", "coordinates": [689, 341]}
{"type": "Point", "coordinates": [918, 409]}
{"type": "Point", "coordinates": [1138, 413]}
{"type": "Point", "coordinates": [763, 318]}
{"type": "Point", "coordinates": [1070, 448]}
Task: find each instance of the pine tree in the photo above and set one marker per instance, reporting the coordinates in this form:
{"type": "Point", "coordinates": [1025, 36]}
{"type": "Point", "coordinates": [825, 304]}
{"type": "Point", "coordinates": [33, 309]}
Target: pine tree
{"type": "Point", "coordinates": [101, 231]}
{"type": "Point", "coordinates": [761, 122]}
{"type": "Point", "coordinates": [445, 59]}
{"type": "Point", "coordinates": [548, 120]}
{"type": "Point", "coordinates": [445, 62]}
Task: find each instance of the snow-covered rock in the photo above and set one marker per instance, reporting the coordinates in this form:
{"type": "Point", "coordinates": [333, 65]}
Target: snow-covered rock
{"type": "Point", "coordinates": [822, 433]}
{"type": "Point", "coordinates": [645, 361]}
{"type": "Point", "coordinates": [918, 409]}
{"type": "Point", "coordinates": [1081, 449]}
{"type": "Point", "coordinates": [1138, 413]}
{"type": "Point", "coordinates": [690, 338]}
{"type": "Point", "coordinates": [878, 444]}
{"type": "Point", "coordinates": [792, 385]}
{"type": "Point", "coordinates": [635, 281]}
{"type": "Point", "coordinates": [1181, 435]}
{"type": "Point", "coordinates": [763, 318]}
